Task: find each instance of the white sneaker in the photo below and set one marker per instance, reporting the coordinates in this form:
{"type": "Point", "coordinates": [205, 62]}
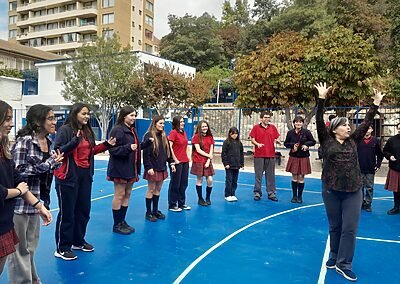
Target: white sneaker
{"type": "Point", "coordinates": [175, 209]}
{"type": "Point", "coordinates": [233, 198]}
{"type": "Point", "coordinates": [228, 198]}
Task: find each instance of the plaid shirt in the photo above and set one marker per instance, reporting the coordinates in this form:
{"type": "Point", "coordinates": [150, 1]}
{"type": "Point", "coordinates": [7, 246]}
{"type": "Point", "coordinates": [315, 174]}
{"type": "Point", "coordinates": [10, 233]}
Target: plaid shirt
{"type": "Point", "coordinates": [28, 159]}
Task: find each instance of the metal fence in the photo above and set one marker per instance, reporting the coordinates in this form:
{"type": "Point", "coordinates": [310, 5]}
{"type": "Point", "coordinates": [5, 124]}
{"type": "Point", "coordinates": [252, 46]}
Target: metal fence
{"type": "Point", "coordinates": [221, 119]}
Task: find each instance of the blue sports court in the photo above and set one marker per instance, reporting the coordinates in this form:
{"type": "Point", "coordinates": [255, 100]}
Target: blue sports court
{"type": "Point", "coordinates": [244, 241]}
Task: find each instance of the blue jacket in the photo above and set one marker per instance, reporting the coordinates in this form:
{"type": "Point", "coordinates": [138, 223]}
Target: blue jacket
{"type": "Point", "coordinates": [157, 163]}
{"type": "Point", "coordinates": [124, 162]}
{"type": "Point", "coordinates": [67, 142]}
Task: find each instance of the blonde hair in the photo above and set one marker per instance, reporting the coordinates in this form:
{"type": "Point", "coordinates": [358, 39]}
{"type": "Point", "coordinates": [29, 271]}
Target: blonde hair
{"type": "Point", "coordinates": [153, 133]}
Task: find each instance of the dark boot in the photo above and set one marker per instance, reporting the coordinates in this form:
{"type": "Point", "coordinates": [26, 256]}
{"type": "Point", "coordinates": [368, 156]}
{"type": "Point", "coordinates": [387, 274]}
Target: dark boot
{"type": "Point", "coordinates": [199, 190]}
{"type": "Point", "coordinates": [208, 195]}
{"type": "Point", "coordinates": [300, 188]}
{"type": "Point", "coordinates": [396, 209]}
{"type": "Point", "coordinates": [294, 191]}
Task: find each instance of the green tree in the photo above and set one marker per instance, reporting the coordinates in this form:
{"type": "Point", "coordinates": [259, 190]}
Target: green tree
{"type": "Point", "coordinates": [394, 17]}
{"type": "Point", "coordinates": [265, 9]}
{"type": "Point", "coordinates": [238, 15]}
{"type": "Point", "coordinates": [193, 41]}
{"type": "Point", "coordinates": [216, 73]}
{"type": "Point", "coordinates": [100, 76]}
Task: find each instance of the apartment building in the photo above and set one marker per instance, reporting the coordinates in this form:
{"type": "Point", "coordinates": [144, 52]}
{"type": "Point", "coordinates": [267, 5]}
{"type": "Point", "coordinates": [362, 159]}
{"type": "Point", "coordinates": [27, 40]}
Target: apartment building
{"type": "Point", "coordinates": [61, 26]}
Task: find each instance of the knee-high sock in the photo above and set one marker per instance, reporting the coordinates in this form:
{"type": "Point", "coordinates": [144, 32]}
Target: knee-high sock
{"type": "Point", "coordinates": [208, 192]}
{"type": "Point", "coordinates": [294, 188]}
{"type": "Point", "coordinates": [148, 205]}
{"type": "Point", "coordinates": [300, 188]}
{"type": "Point", "coordinates": [124, 209]}
{"type": "Point", "coordinates": [156, 198]}
{"type": "Point", "coordinates": [199, 190]}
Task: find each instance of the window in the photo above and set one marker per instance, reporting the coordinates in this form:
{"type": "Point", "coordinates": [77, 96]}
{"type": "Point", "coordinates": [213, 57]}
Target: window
{"type": "Point", "coordinates": [12, 33]}
{"type": "Point", "coordinates": [52, 41]}
{"type": "Point", "coordinates": [133, 24]}
{"type": "Point", "coordinates": [51, 11]}
{"type": "Point", "coordinates": [52, 26]}
{"type": "Point", "coordinates": [12, 6]}
{"type": "Point", "coordinates": [149, 20]}
{"type": "Point", "coordinates": [148, 48]}
{"type": "Point", "coordinates": [70, 23]}
{"type": "Point", "coordinates": [12, 20]}
{"type": "Point", "coordinates": [148, 34]}
{"type": "Point", "coordinates": [70, 7]}
{"type": "Point", "coordinates": [39, 28]}
{"type": "Point", "coordinates": [39, 13]}
{"type": "Point", "coordinates": [71, 37]}
{"type": "Point", "coordinates": [108, 3]}
{"type": "Point", "coordinates": [35, 42]}
{"type": "Point", "coordinates": [139, 42]}
{"type": "Point", "coordinates": [140, 12]}
{"type": "Point", "coordinates": [149, 6]}
{"type": "Point", "coordinates": [140, 27]}
{"type": "Point", "coordinates": [133, 40]}
{"type": "Point", "coordinates": [108, 19]}
{"type": "Point", "coordinates": [133, 8]}
{"type": "Point", "coordinates": [108, 34]}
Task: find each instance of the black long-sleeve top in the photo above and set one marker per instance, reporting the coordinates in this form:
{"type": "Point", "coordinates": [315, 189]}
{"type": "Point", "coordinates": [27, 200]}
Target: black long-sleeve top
{"type": "Point", "coordinates": [341, 170]}
{"type": "Point", "coordinates": [303, 137]}
{"type": "Point", "coordinates": [370, 155]}
{"type": "Point", "coordinates": [232, 154]}
{"type": "Point", "coordinates": [392, 148]}
{"type": "Point", "coordinates": [157, 163]}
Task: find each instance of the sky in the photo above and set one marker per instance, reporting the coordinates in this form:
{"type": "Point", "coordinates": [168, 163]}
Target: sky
{"type": "Point", "coordinates": [162, 9]}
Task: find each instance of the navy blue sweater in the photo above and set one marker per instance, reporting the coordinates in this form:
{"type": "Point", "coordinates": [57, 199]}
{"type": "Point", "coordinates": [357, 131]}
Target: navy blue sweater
{"type": "Point", "coordinates": [9, 178]}
{"type": "Point", "coordinates": [157, 163]}
{"type": "Point", "coordinates": [370, 155]}
{"type": "Point", "coordinates": [232, 154]}
{"type": "Point", "coordinates": [304, 137]}
{"type": "Point", "coordinates": [392, 148]}
{"type": "Point", "coordinates": [124, 162]}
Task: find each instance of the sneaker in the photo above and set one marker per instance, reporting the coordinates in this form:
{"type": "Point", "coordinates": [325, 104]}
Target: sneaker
{"type": "Point", "coordinates": [257, 197]}
{"type": "Point", "coordinates": [175, 209]}
{"type": "Point", "coordinates": [208, 201]}
{"type": "Point", "coordinates": [159, 215]}
{"type": "Point", "coordinates": [150, 217]}
{"type": "Point", "coordinates": [202, 202]}
{"type": "Point", "coordinates": [294, 199]}
{"type": "Point", "coordinates": [85, 247]}
{"type": "Point", "coordinates": [228, 198]}
{"type": "Point", "coordinates": [120, 229]}
{"type": "Point", "coordinates": [185, 207]}
{"type": "Point", "coordinates": [347, 273]}
{"type": "Point", "coordinates": [393, 211]}
{"type": "Point", "coordinates": [65, 255]}
{"type": "Point", "coordinates": [234, 198]}
{"type": "Point", "coordinates": [272, 197]}
{"type": "Point", "coordinates": [368, 208]}
{"type": "Point", "coordinates": [331, 263]}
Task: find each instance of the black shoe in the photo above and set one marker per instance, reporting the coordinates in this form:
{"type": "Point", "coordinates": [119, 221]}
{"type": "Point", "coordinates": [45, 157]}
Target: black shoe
{"type": "Point", "coordinates": [65, 255]}
{"type": "Point", "coordinates": [300, 200]}
{"type": "Point", "coordinates": [368, 208]}
{"type": "Point", "coordinates": [150, 217]}
{"type": "Point", "coordinates": [208, 201]}
{"type": "Point", "coordinates": [347, 273]}
{"type": "Point", "coordinates": [393, 211]}
{"type": "Point", "coordinates": [121, 229]}
{"type": "Point", "coordinates": [159, 215]}
{"type": "Point", "coordinates": [331, 263]}
{"type": "Point", "coordinates": [257, 197]}
{"type": "Point", "coordinates": [85, 247]}
{"type": "Point", "coordinates": [294, 199]}
{"type": "Point", "coordinates": [273, 197]}
{"type": "Point", "coordinates": [125, 225]}
{"type": "Point", "coordinates": [202, 202]}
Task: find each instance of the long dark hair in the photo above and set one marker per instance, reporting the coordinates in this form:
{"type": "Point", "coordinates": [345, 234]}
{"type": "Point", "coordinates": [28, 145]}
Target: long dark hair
{"type": "Point", "coordinates": [124, 111]}
{"type": "Point", "coordinates": [231, 131]}
{"type": "Point", "coordinates": [176, 123]}
{"type": "Point", "coordinates": [199, 133]}
{"type": "Point", "coordinates": [35, 119]}
{"type": "Point", "coordinates": [5, 150]}
{"type": "Point", "coordinates": [72, 122]}
{"type": "Point", "coordinates": [153, 133]}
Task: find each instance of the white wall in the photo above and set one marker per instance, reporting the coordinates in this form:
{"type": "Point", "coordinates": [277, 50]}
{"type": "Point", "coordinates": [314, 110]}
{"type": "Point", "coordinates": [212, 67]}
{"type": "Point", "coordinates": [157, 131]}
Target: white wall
{"type": "Point", "coordinates": [10, 89]}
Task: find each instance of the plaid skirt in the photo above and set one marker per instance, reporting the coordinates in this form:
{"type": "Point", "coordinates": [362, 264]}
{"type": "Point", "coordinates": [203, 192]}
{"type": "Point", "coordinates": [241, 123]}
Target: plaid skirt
{"type": "Point", "coordinates": [393, 181]}
{"type": "Point", "coordinates": [8, 242]}
{"type": "Point", "coordinates": [299, 166]}
{"type": "Point", "coordinates": [122, 180]}
{"type": "Point", "coordinates": [198, 169]}
{"type": "Point", "coordinates": [158, 176]}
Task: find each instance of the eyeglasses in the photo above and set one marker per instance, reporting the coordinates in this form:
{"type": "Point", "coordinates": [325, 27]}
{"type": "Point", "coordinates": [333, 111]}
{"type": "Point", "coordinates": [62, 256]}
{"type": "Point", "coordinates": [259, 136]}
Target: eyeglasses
{"type": "Point", "coordinates": [266, 117]}
{"type": "Point", "coordinates": [51, 118]}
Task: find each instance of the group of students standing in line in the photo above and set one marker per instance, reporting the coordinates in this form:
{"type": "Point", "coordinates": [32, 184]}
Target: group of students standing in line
{"type": "Point", "coordinates": [31, 163]}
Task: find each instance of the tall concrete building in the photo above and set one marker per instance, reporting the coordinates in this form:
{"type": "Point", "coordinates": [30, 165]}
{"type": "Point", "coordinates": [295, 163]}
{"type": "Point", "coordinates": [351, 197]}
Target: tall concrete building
{"type": "Point", "coordinates": [61, 26]}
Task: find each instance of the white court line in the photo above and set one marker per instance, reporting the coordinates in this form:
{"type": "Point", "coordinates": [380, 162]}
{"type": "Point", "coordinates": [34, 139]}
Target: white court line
{"type": "Point", "coordinates": [378, 240]}
{"type": "Point", "coordinates": [322, 272]}
{"type": "Point", "coordinates": [220, 243]}
{"type": "Point", "coordinates": [104, 196]}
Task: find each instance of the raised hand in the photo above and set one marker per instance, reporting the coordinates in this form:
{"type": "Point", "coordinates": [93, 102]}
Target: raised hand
{"type": "Point", "coordinates": [377, 97]}
{"type": "Point", "coordinates": [322, 90]}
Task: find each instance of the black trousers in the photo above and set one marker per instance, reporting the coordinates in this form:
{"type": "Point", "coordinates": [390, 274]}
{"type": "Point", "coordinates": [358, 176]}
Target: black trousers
{"type": "Point", "coordinates": [73, 217]}
{"type": "Point", "coordinates": [343, 210]}
{"type": "Point", "coordinates": [178, 185]}
{"type": "Point", "coordinates": [231, 178]}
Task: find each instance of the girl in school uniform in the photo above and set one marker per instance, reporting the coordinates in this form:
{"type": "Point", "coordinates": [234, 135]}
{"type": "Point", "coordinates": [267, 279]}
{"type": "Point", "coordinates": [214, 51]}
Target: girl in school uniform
{"type": "Point", "coordinates": [155, 159]}
{"type": "Point", "coordinates": [203, 149]}
{"type": "Point", "coordinates": [232, 159]}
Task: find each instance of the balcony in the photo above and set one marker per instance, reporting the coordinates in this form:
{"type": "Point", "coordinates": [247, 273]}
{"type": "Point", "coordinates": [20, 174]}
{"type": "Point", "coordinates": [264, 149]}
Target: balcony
{"type": "Point", "coordinates": [61, 46]}
{"type": "Point", "coordinates": [90, 12]}
{"type": "Point", "coordinates": [41, 4]}
{"type": "Point", "coordinates": [55, 32]}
